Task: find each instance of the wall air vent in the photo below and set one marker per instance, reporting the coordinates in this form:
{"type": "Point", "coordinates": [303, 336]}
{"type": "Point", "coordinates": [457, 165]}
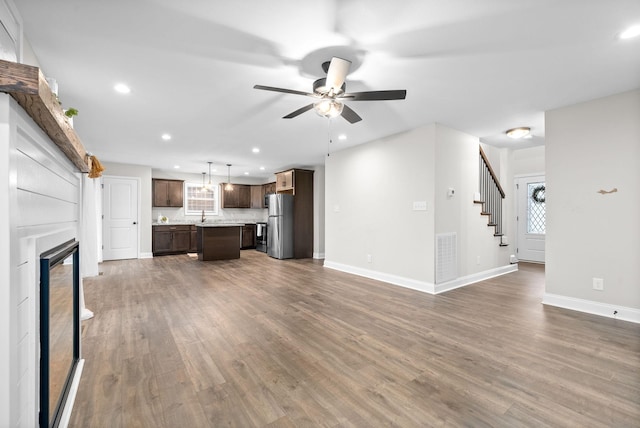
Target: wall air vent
{"type": "Point", "coordinates": [446, 257]}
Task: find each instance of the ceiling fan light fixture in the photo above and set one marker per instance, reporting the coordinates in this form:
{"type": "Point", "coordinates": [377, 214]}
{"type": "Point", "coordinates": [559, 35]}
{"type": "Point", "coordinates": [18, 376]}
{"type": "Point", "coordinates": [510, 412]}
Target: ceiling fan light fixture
{"type": "Point", "coordinates": [517, 133]}
{"type": "Point", "coordinates": [328, 108]}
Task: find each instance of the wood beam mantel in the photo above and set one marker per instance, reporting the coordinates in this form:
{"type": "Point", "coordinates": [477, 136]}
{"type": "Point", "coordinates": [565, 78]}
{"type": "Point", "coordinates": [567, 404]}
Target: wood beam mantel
{"type": "Point", "coordinates": [28, 86]}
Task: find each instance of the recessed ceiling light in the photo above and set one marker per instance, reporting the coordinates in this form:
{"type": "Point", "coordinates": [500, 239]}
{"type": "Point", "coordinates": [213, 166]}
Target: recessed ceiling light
{"type": "Point", "coordinates": [122, 88]}
{"type": "Point", "coordinates": [517, 133]}
{"type": "Point", "coordinates": [246, 173]}
{"type": "Point", "coordinates": [176, 166]}
{"type": "Point", "coordinates": [255, 150]}
{"type": "Point", "coordinates": [166, 137]}
{"type": "Point", "coordinates": [261, 168]}
{"type": "Point", "coordinates": [342, 137]}
{"type": "Point", "coordinates": [630, 32]}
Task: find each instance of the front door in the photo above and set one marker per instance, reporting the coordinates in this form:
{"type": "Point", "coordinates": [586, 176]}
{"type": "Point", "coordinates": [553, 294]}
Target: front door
{"type": "Point", "coordinates": [531, 218]}
{"type": "Point", "coordinates": [120, 218]}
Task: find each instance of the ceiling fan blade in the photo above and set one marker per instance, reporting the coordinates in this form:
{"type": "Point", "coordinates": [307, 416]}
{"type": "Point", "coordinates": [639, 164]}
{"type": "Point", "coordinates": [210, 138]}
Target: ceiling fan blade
{"type": "Point", "coordinates": [399, 94]}
{"type": "Point", "coordinates": [350, 115]}
{"type": "Point", "coordinates": [337, 72]}
{"type": "Point", "coordinates": [298, 112]}
{"type": "Point", "coordinates": [286, 91]}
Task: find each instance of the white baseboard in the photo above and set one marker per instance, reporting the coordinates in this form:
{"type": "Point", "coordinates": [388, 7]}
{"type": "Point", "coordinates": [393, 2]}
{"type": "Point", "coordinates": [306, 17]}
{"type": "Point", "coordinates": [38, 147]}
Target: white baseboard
{"type": "Point", "coordinates": [381, 276]}
{"type": "Point", "coordinates": [591, 307]}
{"type": "Point", "coordinates": [476, 277]}
{"type": "Point", "coordinates": [425, 287]}
{"type": "Point", "coordinates": [146, 255]}
{"type": "Point", "coordinates": [318, 255]}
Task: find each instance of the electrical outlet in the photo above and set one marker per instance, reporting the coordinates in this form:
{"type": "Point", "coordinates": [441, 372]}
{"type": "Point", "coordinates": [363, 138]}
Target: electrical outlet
{"type": "Point", "coordinates": [368, 258]}
{"type": "Point", "coordinates": [598, 284]}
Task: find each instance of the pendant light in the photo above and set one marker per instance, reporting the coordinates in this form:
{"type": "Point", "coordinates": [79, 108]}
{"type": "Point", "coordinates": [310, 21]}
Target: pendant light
{"type": "Point", "coordinates": [209, 186]}
{"type": "Point", "coordinates": [228, 187]}
{"type": "Point", "coordinates": [204, 188]}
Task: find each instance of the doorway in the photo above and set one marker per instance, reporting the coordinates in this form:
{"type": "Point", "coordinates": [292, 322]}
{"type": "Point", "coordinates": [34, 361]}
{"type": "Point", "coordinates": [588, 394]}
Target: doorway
{"type": "Point", "coordinates": [531, 218]}
{"type": "Point", "coordinates": [120, 222]}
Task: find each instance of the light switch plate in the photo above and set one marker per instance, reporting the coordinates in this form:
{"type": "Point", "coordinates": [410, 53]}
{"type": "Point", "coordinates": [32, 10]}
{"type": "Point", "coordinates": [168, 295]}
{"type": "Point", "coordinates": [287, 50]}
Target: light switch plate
{"type": "Point", "coordinates": [419, 205]}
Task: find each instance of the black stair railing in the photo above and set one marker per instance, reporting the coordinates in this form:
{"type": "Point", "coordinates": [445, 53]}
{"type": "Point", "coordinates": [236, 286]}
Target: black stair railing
{"type": "Point", "coordinates": [491, 194]}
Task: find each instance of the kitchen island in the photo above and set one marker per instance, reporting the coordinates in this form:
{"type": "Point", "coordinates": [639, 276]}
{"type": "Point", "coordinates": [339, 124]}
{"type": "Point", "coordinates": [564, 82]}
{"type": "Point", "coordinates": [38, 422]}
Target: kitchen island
{"type": "Point", "coordinates": [218, 241]}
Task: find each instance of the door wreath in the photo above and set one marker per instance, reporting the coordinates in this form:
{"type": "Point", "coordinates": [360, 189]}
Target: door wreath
{"type": "Point", "coordinates": [538, 194]}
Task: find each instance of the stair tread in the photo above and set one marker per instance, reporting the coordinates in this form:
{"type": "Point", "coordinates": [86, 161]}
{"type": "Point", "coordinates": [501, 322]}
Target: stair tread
{"type": "Point", "coordinates": [491, 224]}
{"type": "Point", "coordinates": [485, 213]}
{"type": "Point", "coordinates": [503, 244]}
{"type": "Point", "coordinates": [478, 202]}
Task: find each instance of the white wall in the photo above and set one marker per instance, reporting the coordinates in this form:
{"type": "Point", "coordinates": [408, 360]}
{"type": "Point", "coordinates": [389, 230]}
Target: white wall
{"type": "Point", "coordinates": [530, 161]}
{"type": "Point", "coordinates": [590, 147]}
{"type": "Point", "coordinates": [457, 167]}
{"type": "Point", "coordinates": [42, 211]}
{"type": "Point", "coordinates": [369, 194]}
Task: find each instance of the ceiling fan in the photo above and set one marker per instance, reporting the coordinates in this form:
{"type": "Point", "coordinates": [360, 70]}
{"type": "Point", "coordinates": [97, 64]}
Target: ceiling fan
{"type": "Point", "coordinates": [330, 92]}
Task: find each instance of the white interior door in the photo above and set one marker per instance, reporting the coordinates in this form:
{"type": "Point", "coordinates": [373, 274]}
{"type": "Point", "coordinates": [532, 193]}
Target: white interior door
{"type": "Point", "coordinates": [120, 218]}
{"type": "Point", "coordinates": [531, 218]}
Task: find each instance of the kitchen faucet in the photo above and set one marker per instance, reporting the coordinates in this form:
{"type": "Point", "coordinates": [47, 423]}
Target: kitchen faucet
{"type": "Point", "coordinates": [203, 217]}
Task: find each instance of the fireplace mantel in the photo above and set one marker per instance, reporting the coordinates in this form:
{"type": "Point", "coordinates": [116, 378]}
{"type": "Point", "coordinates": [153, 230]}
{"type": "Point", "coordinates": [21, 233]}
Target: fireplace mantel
{"type": "Point", "coordinates": [28, 86]}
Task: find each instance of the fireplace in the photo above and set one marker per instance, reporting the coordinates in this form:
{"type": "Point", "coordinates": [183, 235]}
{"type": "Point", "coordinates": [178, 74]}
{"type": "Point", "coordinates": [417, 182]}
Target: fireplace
{"type": "Point", "coordinates": [59, 329]}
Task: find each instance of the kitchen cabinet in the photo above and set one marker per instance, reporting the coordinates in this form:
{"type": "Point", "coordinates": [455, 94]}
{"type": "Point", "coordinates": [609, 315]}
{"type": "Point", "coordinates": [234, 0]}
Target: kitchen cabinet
{"type": "Point", "coordinates": [239, 197]}
{"type": "Point", "coordinates": [168, 193]}
{"type": "Point", "coordinates": [269, 188]}
{"type": "Point", "coordinates": [257, 196]}
{"type": "Point", "coordinates": [194, 240]}
{"type": "Point", "coordinates": [248, 236]}
{"type": "Point", "coordinates": [285, 181]}
{"type": "Point", "coordinates": [218, 242]}
{"type": "Point", "coordinates": [170, 239]}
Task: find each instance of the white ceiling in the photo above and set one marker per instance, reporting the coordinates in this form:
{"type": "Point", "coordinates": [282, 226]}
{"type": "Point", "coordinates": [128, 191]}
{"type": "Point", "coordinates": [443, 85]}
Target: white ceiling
{"type": "Point", "coordinates": [479, 66]}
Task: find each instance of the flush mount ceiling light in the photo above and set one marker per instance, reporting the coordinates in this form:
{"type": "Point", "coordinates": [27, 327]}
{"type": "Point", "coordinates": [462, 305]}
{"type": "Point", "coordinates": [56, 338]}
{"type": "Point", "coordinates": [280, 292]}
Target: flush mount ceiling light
{"type": "Point", "coordinates": [630, 32]}
{"type": "Point", "coordinates": [122, 88]}
{"type": "Point", "coordinates": [228, 187]}
{"type": "Point", "coordinates": [517, 133]}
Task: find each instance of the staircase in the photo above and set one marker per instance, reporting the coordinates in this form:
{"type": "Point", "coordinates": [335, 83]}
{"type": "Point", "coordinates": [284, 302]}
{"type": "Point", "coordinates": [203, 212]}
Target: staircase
{"type": "Point", "coordinates": [491, 196]}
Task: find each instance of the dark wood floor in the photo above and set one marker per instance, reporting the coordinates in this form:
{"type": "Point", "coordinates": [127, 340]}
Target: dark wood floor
{"type": "Point", "coordinates": [258, 342]}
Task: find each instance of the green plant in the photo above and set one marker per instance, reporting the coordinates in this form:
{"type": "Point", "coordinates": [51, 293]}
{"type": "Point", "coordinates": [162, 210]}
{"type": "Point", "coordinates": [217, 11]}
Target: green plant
{"type": "Point", "coordinates": [70, 112]}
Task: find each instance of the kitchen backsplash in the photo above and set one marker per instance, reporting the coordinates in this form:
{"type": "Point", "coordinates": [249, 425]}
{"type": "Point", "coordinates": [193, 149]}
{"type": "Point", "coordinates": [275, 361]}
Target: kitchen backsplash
{"type": "Point", "coordinates": [224, 215]}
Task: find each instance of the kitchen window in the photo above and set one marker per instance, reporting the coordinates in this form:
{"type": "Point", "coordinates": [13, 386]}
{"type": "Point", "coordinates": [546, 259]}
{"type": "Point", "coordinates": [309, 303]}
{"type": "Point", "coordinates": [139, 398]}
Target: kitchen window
{"type": "Point", "coordinates": [198, 198]}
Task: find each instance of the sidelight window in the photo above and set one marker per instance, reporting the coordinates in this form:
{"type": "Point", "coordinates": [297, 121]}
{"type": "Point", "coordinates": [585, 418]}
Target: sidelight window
{"type": "Point", "coordinates": [537, 208]}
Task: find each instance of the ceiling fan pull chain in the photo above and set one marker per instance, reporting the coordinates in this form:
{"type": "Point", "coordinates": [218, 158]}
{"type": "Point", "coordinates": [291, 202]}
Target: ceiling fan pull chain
{"type": "Point", "coordinates": [329, 136]}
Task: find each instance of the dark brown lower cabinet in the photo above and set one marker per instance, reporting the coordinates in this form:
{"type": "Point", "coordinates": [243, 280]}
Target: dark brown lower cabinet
{"type": "Point", "coordinates": [169, 239]}
{"type": "Point", "coordinates": [194, 240]}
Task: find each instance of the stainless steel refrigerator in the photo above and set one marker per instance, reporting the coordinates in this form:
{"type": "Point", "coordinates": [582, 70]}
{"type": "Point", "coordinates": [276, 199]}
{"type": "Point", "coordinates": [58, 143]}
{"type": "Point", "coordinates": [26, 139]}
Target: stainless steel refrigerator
{"type": "Point", "coordinates": [280, 226]}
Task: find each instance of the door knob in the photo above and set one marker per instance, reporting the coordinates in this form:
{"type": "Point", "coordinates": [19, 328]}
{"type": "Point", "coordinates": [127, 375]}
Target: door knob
{"type": "Point", "coordinates": [135, 222]}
